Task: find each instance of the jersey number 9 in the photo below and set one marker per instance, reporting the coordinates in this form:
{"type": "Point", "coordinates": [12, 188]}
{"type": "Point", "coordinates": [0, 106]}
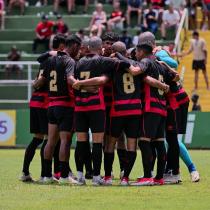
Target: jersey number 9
{"type": "Point", "coordinates": [53, 81]}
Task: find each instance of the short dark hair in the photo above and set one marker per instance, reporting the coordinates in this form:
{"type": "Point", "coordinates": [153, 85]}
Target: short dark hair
{"type": "Point", "coordinates": [110, 36]}
{"type": "Point", "coordinates": [146, 48]}
{"type": "Point", "coordinates": [195, 33]}
{"type": "Point", "coordinates": [57, 40]}
{"type": "Point", "coordinates": [73, 39]}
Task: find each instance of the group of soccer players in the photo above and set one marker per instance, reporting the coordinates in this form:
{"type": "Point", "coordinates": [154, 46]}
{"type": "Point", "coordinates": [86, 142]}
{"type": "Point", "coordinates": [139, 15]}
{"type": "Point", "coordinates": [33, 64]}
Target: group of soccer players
{"type": "Point", "coordinates": [126, 98]}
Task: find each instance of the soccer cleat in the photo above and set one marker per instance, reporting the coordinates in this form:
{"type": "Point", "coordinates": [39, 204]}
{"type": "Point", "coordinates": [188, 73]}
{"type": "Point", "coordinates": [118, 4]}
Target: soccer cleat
{"type": "Point", "coordinates": [57, 176]}
{"type": "Point", "coordinates": [48, 180]}
{"type": "Point", "coordinates": [143, 182]}
{"type": "Point", "coordinates": [26, 178]}
{"type": "Point", "coordinates": [124, 181]}
{"type": "Point", "coordinates": [67, 180]}
{"type": "Point", "coordinates": [106, 181]}
{"type": "Point", "coordinates": [195, 177]}
{"type": "Point", "coordinates": [96, 181]}
{"type": "Point", "coordinates": [72, 175]}
{"type": "Point", "coordinates": [169, 178]}
{"type": "Point", "coordinates": [40, 179]}
{"type": "Point", "coordinates": [158, 181]}
{"type": "Point", "coordinates": [81, 181]}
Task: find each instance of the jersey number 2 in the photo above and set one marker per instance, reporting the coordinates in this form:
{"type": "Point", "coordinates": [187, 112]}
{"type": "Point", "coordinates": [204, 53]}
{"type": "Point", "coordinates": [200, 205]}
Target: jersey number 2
{"type": "Point", "coordinates": [128, 83]}
{"type": "Point", "coordinates": [53, 81]}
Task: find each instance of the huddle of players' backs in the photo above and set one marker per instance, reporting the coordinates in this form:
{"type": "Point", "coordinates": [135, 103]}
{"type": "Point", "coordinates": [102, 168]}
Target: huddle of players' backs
{"type": "Point", "coordinates": [125, 86]}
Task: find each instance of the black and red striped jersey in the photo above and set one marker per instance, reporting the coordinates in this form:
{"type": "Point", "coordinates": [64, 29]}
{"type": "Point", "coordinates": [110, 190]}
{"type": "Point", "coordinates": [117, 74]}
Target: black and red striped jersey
{"type": "Point", "coordinates": [154, 99]}
{"type": "Point", "coordinates": [126, 99]}
{"type": "Point", "coordinates": [39, 98]}
{"type": "Point", "coordinates": [177, 96]}
{"type": "Point", "coordinates": [56, 72]}
{"type": "Point", "coordinates": [91, 66]}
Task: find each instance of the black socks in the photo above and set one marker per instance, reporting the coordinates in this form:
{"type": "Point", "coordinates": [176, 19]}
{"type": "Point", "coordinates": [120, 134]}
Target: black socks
{"type": "Point", "coordinates": [56, 158]}
{"type": "Point", "coordinates": [146, 153]}
{"type": "Point", "coordinates": [47, 168]}
{"type": "Point", "coordinates": [161, 158]}
{"type": "Point", "coordinates": [122, 158]}
{"type": "Point", "coordinates": [88, 160]}
{"type": "Point", "coordinates": [131, 158]}
{"type": "Point", "coordinates": [97, 158]}
{"type": "Point", "coordinates": [172, 153]}
{"type": "Point", "coordinates": [80, 155]}
{"type": "Point", "coordinates": [108, 162]}
{"type": "Point", "coordinates": [42, 157]}
{"type": "Point", "coordinates": [64, 166]}
{"type": "Point", "coordinates": [29, 154]}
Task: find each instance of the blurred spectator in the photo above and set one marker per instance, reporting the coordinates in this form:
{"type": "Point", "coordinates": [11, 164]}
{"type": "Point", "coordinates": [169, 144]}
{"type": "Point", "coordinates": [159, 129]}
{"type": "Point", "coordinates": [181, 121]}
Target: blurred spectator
{"type": "Point", "coordinates": [94, 31]}
{"type": "Point", "coordinates": [60, 27]}
{"type": "Point", "coordinates": [134, 6]}
{"type": "Point", "coordinates": [13, 55]}
{"type": "Point", "coordinates": [85, 3]}
{"type": "Point", "coordinates": [40, 3]}
{"type": "Point", "coordinates": [158, 4]}
{"type": "Point", "coordinates": [117, 17]}
{"type": "Point", "coordinates": [136, 38]}
{"type": "Point", "coordinates": [43, 33]}
{"type": "Point", "coordinates": [191, 6]}
{"type": "Point", "coordinates": [170, 20]}
{"type": "Point", "coordinates": [98, 19]}
{"type": "Point", "coordinates": [198, 47]}
{"type": "Point", "coordinates": [84, 49]}
{"type": "Point", "coordinates": [18, 3]}
{"type": "Point", "coordinates": [206, 8]}
{"type": "Point", "coordinates": [2, 13]}
{"type": "Point", "coordinates": [81, 34]}
{"type": "Point", "coordinates": [126, 39]}
{"type": "Point", "coordinates": [196, 106]}
{"type": "Point", "coordinates": [65, 3]}
{"type": "Point", "coordinates": [150, 20]}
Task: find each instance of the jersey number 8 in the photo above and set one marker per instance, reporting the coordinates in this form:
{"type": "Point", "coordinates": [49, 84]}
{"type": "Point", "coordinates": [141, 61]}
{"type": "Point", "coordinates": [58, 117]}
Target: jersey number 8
{"type": "Point", "coordinates": [128, 83]}
{"type": "Point", "coordinates": [161, 80]}
{"type": "Point", "coordinates": [53, 81]}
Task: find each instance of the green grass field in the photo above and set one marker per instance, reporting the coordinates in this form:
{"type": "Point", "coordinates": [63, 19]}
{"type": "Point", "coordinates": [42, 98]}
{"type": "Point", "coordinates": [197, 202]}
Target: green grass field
{"type": "Point", "coordinates": [23, 196]}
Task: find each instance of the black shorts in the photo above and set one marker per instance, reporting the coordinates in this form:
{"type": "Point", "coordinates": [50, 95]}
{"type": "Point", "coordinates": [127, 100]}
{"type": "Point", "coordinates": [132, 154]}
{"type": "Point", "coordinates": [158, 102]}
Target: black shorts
{"type": "Point", "coordinates": [196, 65]}
{"type": "Point", "coordinates": [38, 121]}
{"type": "Point", "coordinates": [181, 117]}
{"type": "Point", "coordinates": [130, 125]}
{"type": "Point", "coordinates": [153, 126]}
{"type": "Point", "coordinates": [95, 120]}
{"type": "Point", "coordinates": [63, 117]}
{"type": "Point", "coordinates": [176, 120]}
{"type": "Point", "coordinates": [107, 125]}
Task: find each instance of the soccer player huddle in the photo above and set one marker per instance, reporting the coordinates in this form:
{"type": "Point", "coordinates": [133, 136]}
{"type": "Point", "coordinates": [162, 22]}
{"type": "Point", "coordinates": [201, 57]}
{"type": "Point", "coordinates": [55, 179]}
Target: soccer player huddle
{"type": "Point", "coordinates": [126, 98]}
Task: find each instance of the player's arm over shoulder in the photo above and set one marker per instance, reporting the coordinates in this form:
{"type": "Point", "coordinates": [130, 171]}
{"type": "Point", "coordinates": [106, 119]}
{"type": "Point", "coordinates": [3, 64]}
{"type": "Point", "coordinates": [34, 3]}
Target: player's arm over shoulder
{"type": "Point", "coordinates": [42, 78]}
{"type": "Point", "coordinates": [139, 67]}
